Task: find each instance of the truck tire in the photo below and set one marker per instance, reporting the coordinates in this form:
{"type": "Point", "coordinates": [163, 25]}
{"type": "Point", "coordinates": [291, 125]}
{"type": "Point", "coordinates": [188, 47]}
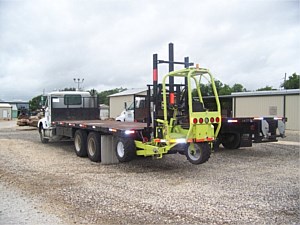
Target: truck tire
{"type": "Point", "coordinates": [42, 135]}
{"type": "Point", "coordinates": [80, 139]}
{"type": "Point", "coordinates": [94, 146]}
{"type": "Point", "coordinates": [125, 149]}
{"type": "Point", "coordinates": [198, 153]}
{"type": "Point", "coordinates": [231, 141]}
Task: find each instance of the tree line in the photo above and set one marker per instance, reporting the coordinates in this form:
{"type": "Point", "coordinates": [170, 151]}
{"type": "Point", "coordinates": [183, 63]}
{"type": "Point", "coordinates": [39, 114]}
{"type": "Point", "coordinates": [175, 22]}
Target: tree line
{"type": "Point", "coordinates": [223, 89]}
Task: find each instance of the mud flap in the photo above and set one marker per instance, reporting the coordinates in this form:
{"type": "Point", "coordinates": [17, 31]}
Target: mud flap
{"type": "Point", "coordinates": [265, 128]}
{"type": "Point", "coordinates": [281, 128]}
{"type": "Point", "coordinates": [246, 140]}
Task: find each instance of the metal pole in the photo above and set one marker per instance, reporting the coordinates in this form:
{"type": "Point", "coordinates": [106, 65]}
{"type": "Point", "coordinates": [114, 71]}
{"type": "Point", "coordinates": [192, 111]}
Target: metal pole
{"type": "Point", "coordinates": [171, 65]}
{"type": "Point", "coordinates": [186, 65]}
{"type": "Point", "coordinates": [78, 82]}
{"type": "Point", "coordinates": [148, 101]}
{"type": "Point", "coordinates": [284, 81]}
{"type": "Point", "coordinates": [155, 79]}
{"type": "Point", "coordinates": [171, 68]}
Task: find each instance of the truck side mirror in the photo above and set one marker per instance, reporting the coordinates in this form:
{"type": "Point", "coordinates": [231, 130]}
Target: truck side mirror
{"type": "Point", "coordinates": [125, 105]}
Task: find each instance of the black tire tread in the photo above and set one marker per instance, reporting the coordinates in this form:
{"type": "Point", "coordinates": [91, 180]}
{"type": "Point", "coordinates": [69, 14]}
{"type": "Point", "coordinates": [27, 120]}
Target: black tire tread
{"type": "Point", "coordinates": [234, 144]}
{"type": "Point", "coordinates": [206, 151]}
{"type": "Point", "coordinates": [83, 149]}
{"type": "Point", "coordinates": [129, 149]}
{"type": "Point", "coordinates": [97, 156]}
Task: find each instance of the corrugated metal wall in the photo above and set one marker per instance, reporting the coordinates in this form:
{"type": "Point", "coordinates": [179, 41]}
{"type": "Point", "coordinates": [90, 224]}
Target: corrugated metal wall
{"type": "Point", "coordinates": [116, 104]}
{"type": "Point", "coordinates": [292, 112]}
{"type": "Point", "coordinates": [5, 113]}
{"type": "Point", "coordinates": [257, 106]}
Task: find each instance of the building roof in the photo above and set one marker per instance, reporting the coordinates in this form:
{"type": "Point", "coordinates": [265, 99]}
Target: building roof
{"type": "Point", "coordinates": [15, 102]}
{"type": "Point", "coordinates": [103, 106]}
{"type": "Point", "coordinates": [5, 105]}
{"type": "Point", "coordinates": [266, 93]}
{"type": "Point", "coordinates": [129, 92]}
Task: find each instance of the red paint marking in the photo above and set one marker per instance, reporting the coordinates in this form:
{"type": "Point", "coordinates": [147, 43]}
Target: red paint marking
{"type": "Point", "coordinates": [172, 98]}
{"type": "Point", "coordinates": [154, 74]}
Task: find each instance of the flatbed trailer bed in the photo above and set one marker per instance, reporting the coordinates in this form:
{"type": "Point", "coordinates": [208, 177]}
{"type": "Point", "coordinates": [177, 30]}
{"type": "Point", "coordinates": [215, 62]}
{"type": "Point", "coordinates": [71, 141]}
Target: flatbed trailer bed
{"type": "Point", "coordinates": [106, 130]}
{"type": "Point", "coordinates": [243, 131]}
{"type": "Point", "coordinates": [234, 132]}
{"type": "Point", "coordinates": [102, 126]}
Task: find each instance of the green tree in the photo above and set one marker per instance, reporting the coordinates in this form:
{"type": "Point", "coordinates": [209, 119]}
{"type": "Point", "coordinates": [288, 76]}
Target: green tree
{"type": "Point", "coordinates": [238, 88]}
{"type": "Point", "coordinates": [205, 90]}
{"type": "Point", "coordinates": [93, 92]}
{"type": "Point", "coordinates": [35, 103]}
{"type": "Point", "coordinates": [292, 82]}
{"type": "Point", "coordinates": [219, 86]}
{"type": "Point", "coordinates": [266, 88]}
{"type": "Point", "coordinates": [103, 96]}
{"type": "Point", "coordinates": [222, 89]}
{"type": "Point", "coordinates": [226, 90]}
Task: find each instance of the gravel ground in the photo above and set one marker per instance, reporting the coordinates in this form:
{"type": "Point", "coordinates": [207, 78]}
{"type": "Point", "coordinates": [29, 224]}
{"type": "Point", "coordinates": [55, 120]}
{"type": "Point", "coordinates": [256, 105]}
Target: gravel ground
{"type": "Point", "coordinates": [15, 208]}
{"type": "Point", "coordinates": [48, 183]}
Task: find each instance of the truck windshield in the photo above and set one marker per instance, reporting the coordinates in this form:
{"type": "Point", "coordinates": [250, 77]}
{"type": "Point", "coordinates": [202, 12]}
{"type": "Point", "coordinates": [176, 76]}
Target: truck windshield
{"type": "Point", "coordinates": [131, 107]}
{"type": "Point", "coordinates": [140, 103]}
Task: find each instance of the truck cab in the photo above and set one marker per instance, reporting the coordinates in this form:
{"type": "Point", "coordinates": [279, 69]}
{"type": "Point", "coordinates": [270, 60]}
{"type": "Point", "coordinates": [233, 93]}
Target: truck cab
{"type": "Point", "coordinates": [67, 105]}
{"type": "Point", "coordinates": [127, 115]}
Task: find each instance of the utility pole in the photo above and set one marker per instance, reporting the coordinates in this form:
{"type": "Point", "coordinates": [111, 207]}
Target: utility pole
{"type": "Point", "coordinates": [78, 81]}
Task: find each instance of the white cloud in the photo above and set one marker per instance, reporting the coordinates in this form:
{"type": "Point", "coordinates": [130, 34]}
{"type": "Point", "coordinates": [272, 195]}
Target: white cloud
{"type": "Point", "coordinates": [45, 44]}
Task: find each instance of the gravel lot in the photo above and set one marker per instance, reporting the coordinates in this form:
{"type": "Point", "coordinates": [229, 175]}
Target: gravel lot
{"type": "Point", "coordinates": [48, 183]}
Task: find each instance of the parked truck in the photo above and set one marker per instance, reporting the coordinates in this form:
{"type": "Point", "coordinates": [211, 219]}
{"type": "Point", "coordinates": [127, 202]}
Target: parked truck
{"type": "Point", "coordinates": [173, 120]}
{"type": "Point", "coordinates": [127, 115]}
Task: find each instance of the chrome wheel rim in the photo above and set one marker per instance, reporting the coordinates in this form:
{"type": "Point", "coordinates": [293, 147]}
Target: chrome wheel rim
{"type": "Point", "coordinates": [194, 152]}
{"type": "Point", "coordinates": [92, 147]}
{"type": "Point", "coordinates": [77, 143]}
{"type": "Point", "coordinates": [120, 149]}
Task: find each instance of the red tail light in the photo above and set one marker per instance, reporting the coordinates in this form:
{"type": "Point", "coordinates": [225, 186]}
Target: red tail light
{"type": "Point", "coordinates": [200, 120]}
{"type": "Point", "coordinates": [195, 120]}
{"type": "Point", "coordinates": [212, 120]}
{"type": "Point", "coordinates": [217, 119]}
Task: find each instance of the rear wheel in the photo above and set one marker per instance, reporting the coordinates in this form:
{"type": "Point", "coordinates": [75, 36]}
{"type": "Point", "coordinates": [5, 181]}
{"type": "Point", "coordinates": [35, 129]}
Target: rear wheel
{"type": "Point", "coordinates": [125, 149]}
{"type": "Point", "coordinates": [198, 153]}
{"type": "Point", "coordinates": [94, 146]}
{"type": "Point", "coordinates": [80, 139]}
{"type": "Point", "coordinates": [231, 141]}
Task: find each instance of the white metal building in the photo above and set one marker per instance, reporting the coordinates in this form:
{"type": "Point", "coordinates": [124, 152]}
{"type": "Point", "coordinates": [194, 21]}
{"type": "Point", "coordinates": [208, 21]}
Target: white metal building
{"type": "Point", "coordinates": [117, 101]}
{"type": "Point", "coordinates": [280, 103]}
{"type": "Point", "coordinates": [104, 111]}
{"type": "Point", "coordinates": [5, 111]}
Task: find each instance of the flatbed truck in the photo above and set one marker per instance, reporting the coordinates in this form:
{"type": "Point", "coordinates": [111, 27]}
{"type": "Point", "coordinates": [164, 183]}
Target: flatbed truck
{"type": "Point", "coordinates": [194, 133]}
{"type": "Point", "coordinates": [175, 121]}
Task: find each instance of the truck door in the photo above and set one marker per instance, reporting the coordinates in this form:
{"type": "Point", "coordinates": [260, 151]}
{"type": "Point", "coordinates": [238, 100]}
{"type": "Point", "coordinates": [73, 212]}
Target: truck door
{"type": "Point", "coordinates": [48, 110]}
{"type": "Point", "coordinates": [129, 113]}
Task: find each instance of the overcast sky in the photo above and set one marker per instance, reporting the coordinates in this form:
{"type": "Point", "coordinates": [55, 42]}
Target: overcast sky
{"type": "Point", "coordinates": [110, 43]}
